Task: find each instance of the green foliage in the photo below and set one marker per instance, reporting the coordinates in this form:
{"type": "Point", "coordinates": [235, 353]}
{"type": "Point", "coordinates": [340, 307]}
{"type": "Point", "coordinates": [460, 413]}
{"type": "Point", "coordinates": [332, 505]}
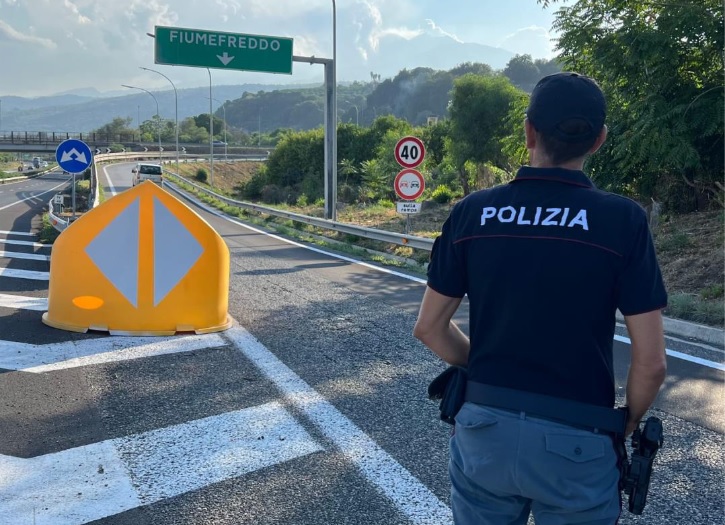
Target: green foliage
{"type": "Point", "coordinates": [201, 175]}
{"type": "Point", "coordinates": [660, 66]}
{"type": "Point", "coordinates": [117, 127]}
{"type": "Point", "coordinates": [116, 148]}
{"type": "Point", "coordinates": [715, 291]}
{"type": "Point", "coordinates": [479, 123]}
{"type": "Point", "coordinates": [302, 201]}
{"type": "Point", "coordinates": [691, 308]}
{"type": "Point", "coordinates": [674, 242]}
{"type": "Point", "coordinates": [524, 72]}
{"type": "Point", "coordinates": [442, 194]}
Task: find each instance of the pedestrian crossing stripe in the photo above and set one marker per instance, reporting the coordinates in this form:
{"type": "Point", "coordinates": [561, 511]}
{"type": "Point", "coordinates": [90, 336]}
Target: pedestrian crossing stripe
{"type": "Point", "coordinates": [142, 263]}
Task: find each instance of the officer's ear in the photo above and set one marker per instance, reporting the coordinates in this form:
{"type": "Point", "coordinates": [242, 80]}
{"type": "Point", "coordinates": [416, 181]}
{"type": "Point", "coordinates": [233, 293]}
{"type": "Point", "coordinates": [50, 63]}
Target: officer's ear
{"type": "Point", "coordinates": [600, 140]}
{"type": "Point", "coordinates": [530, 132]}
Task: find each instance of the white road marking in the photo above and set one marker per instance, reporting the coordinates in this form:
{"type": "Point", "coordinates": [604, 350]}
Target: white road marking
{"type": "Point", "coordinates": [406, 492]}
{"type": "Point", "coordinates": [32, 196]}
{"type": "Point", "coordinates": [300, 245]}
{"type": "Point", "coordinates": [672, 353]}
{"type": "Point", "coordinates": [24, 274]}
{"type": "Point", "coordinates": [25, 243]}
{"type": "Point", "coordinates": [24, 234]}
{"type": "Point", "coordinates": [102, 479]}
{"type": "Point", "coordinates": [679, 355]}
{"type": "Point", "coordinates": [37, 359]}
{"type": "Point", "coordinates": [110, 184]}
{"type": "Point", "coordinates": [39, 304]}
{"type": "Point", "coordinates": [28, 256]}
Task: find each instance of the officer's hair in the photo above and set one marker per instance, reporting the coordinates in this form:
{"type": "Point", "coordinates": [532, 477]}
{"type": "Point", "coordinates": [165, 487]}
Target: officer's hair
{"type": "Point", "coordinates": [560, 151]}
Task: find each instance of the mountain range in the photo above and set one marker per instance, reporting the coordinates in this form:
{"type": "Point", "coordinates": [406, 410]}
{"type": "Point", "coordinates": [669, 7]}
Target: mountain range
{"type": "Point", "coordinates": [85, 109]}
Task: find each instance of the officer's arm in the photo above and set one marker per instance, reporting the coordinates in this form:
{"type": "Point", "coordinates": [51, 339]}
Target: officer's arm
{"type": "Point", "coordinates": [435, 329]}
{"type": "Point", "coordinates": [649, 364]}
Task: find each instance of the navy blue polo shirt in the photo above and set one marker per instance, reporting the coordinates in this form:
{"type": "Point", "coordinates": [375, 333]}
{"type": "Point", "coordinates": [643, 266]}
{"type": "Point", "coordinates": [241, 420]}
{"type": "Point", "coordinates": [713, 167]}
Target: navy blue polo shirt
{"type": "Point", "coordinates": [546, 260]}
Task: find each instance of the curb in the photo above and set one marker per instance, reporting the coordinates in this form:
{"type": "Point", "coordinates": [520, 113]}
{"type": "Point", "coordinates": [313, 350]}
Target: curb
{"type": "Point", "coordinates": [703, 333]}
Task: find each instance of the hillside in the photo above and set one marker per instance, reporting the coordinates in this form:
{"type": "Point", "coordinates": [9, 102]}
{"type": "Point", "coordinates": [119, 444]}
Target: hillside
{"type": "Point", "coordinates": [690, 248]}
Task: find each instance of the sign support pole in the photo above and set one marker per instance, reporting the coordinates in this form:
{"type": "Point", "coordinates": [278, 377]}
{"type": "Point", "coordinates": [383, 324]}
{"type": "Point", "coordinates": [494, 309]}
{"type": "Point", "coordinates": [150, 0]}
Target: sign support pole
{"type": "Point", "coordinates": [330, 134]}
{"type": "Point", "coordinates": [73, 193]}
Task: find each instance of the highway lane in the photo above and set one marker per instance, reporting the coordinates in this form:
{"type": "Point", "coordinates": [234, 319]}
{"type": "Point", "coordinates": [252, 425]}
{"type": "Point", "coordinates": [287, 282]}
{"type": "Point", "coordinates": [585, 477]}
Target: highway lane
{"type": "Point", "coordinates": [343, 330]}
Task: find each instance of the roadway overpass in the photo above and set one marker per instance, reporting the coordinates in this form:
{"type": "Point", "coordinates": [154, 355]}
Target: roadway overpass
{"type": "Point", "coordinates": [47, 142]}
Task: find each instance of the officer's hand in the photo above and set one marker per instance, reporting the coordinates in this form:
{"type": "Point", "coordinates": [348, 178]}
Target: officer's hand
{"type": "Point", "coordinates": [631, 427]}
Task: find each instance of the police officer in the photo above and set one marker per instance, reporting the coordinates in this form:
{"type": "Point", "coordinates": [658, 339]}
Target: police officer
{"type": "Point", "coordinates": [546, 261]}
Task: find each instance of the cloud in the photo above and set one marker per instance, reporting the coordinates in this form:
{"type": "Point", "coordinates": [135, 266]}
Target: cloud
{"type": "Point", "coordinates": [74, 9]}
{"type": "Point", "coordinates": [536, 41]}
{"type": "Point", "coordinates": [438, 30]}
{"type": "Point", "coordinates": [7, 32]}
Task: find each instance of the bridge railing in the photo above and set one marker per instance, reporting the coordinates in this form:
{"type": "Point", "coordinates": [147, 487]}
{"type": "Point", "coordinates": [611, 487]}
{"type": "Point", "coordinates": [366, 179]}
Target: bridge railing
{"type": "Point", "coordinates": [56, 137]}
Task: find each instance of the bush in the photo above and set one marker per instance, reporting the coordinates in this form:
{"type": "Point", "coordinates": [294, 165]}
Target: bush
{"type": "Point", "coordinates": [442, 194]}
{"type": "Point", "coordinates": [201, 175]}
{"type": "Point", "coordinates": [273, 194]}
{"type": "Point", "coordinates": [302, 201]}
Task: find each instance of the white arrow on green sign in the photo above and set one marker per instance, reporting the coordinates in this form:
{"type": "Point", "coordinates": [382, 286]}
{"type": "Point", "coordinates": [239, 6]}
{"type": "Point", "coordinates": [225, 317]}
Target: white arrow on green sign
{"type": "Point", "coordinates": [178, 46]}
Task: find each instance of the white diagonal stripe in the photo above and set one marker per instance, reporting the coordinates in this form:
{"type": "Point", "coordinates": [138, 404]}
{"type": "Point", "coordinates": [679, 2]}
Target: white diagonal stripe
{"type": "Point", "coordinates": [94, 481]}
{"type": "Point", "coordinates": [28, 256]}
{"type": "Point", "coordinates": [407, 493]}
{"type": "Point", "coordinates": [72, 354]}
{"type": "Point", "coordinates": [20, 302]}
{"type": "Point", "coordinates": [24, 274]}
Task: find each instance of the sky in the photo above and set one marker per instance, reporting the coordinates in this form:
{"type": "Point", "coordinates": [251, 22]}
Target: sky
{"type": "Point", "coordinates": [53, 46]}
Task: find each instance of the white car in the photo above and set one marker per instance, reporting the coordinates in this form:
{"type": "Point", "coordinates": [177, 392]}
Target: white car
{"type": "Point", "coordinates": [143, 172]}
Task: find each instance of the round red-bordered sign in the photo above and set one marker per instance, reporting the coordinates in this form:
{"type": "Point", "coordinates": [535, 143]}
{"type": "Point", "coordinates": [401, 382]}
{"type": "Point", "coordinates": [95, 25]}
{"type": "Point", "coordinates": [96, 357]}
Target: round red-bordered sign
{"type": "Point", "coordinates": [409, 184]}
{"type": "Point", "coordinates": [409, 152]}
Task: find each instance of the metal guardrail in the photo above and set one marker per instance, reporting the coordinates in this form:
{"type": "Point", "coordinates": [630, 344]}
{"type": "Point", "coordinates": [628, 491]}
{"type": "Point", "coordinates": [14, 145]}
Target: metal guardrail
{"type": "Point", "coordinates": [401, 239]}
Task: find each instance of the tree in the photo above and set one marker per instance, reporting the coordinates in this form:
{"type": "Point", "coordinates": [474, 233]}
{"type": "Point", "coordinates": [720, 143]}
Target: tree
{"type": "Point", "coordinates": [523, 72]}
{"type": "Point", "coordinates": [478, 111]}
{"type": "Point", "coordinates": [117, 127]}
{"type": "Point", "coordinates": [660, 66]}
{"type": "Point", "coordinates": [202, 121]}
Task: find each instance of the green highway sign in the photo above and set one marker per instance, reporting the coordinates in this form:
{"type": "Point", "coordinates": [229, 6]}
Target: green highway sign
{"type": "Point", "coordinates": [178, 46]}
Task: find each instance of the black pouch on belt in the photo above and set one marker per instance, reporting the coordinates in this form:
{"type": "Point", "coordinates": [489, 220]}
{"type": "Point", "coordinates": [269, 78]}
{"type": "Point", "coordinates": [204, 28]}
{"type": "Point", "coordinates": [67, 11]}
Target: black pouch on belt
{"type": "Point", "coordinates": [450, 388]}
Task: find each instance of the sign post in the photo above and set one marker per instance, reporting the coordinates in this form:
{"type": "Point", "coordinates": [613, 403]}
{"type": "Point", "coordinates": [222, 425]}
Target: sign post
{"type": "Point", "coordinates": [73, 156]}
{"type": "Point", "coordinates": [409, 183]}
{"type": "Point", "coordinates": [179, 46]}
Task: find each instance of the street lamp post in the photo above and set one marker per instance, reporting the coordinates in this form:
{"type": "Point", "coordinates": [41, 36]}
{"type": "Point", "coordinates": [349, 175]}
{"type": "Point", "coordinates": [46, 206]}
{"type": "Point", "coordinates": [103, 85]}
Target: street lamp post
{"type": "Point", "coordinates": [176, 112]}
{"type": "Point", "coordinates": [224, 113]}
{"type": "Point", "coordinates": [211, 134]}
{"type": "Point", "coordinates": [158, 117]}
{"type": "Point", "coordinates": [333, 190]}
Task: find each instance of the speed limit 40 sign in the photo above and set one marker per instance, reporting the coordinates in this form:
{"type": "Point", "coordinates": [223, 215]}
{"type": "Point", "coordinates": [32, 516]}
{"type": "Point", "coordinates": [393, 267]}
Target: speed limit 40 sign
{"type": "Point", "coordinates": [409, 152]}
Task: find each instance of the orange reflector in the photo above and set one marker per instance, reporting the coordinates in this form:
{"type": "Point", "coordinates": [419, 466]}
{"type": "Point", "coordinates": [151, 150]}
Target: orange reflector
{"type": "Point", "coordinates": [88, 302]}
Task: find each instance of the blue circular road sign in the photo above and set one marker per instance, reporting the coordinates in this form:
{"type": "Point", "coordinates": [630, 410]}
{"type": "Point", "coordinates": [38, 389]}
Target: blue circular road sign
{"type": "Point", "coordinates": [73, 156]}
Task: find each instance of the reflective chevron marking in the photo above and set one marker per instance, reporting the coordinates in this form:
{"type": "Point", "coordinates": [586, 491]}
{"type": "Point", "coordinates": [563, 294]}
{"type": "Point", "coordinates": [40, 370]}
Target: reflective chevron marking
{"type": "Point", "coordinates": [72, 354]}
{"type": "Point", "coordinates": [91, 482]}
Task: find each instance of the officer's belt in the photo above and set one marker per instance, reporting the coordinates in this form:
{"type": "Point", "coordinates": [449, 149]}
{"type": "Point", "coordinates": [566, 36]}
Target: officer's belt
{"type": "Point", "coordinates": [566, 411]}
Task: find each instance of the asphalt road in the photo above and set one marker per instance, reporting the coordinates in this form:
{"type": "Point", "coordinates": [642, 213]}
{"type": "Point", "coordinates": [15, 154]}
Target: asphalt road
{"type": "Point", "coordinates": [311, 410]}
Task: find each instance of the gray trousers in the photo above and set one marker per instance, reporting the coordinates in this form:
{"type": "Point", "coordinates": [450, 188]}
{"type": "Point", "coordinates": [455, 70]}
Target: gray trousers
{"type": "Point", "coordinates": [505, 466]}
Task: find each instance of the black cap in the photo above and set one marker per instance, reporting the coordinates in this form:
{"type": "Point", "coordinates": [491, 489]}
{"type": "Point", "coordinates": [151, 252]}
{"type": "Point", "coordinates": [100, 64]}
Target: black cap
{"type": "Point", "coordinates": [565, 96]}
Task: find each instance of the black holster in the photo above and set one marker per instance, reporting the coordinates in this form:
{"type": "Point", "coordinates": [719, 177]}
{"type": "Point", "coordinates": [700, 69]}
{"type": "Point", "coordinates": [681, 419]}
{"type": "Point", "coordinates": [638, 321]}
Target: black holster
{"type": "Point", "coordinates": [450, 388]}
